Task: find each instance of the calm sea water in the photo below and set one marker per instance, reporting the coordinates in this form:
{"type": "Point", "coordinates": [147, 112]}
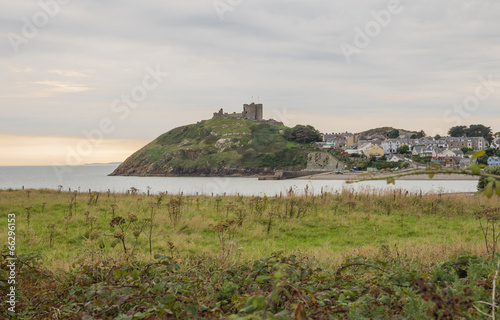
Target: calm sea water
{"type": "Point", "coordinates": [96, 177]}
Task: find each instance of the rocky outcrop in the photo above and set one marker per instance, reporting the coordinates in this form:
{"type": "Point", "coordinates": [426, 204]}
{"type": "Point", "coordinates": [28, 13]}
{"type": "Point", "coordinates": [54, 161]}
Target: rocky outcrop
{"type": "Point", "coordinates": [322, 161]}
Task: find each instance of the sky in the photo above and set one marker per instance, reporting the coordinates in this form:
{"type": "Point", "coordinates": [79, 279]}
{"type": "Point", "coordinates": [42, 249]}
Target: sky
{"type": "Point", "coordinates": [93, 81]}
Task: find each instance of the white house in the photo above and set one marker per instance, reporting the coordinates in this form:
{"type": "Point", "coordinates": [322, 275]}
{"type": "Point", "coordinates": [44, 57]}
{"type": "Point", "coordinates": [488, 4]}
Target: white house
{"type": "Point", "coordinates": [390, 146]}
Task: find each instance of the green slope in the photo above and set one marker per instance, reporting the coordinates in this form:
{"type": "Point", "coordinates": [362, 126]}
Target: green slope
{"type": "Point", "coordinates": [224, 146]}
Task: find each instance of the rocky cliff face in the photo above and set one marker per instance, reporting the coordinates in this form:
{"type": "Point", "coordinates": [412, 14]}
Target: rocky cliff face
{"type": "Point", "coordinates": [322, 161]}
{"type": "Point", "coordinates": [148, 169]}
{"type": "Point", "coordinates": [217, 147]}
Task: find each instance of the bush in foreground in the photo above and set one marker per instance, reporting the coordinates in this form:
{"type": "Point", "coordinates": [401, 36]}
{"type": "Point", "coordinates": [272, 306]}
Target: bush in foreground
{"type": "Point", "coordinates": [275, 287]}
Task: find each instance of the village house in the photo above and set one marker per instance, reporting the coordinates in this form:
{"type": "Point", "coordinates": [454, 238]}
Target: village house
{"type": "Point", "coordinates": [464, 163]}
{"type": "Point", "coordinates": [336, 139]}
{"type": "Point", "coordinates": [448, 161]}
{"type": "Point", "coordinates": [458, 153]}
{"type": "Point", "coordinates": [390, 146]}
{"type": "Point", "coordinates": [363, 146]}
{"type": "Point", "coordinates": [476, 143]}
{"type": "Point", "coordinates": [442, 153]}
{"type": "Point", "coordinates": [351, 140]}
{"type": "Point", "coordinates": [494, 161]}
{"type": "Point", "coordinates": [457, 143]}
{"type": "Point", "coordinates": [422, 151]}
{"type": "Point", "coordinates": [373, 150]}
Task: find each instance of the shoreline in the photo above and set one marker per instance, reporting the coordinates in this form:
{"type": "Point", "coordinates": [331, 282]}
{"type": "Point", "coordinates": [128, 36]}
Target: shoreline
{"type": "Point", "coordinates": [356, 176]}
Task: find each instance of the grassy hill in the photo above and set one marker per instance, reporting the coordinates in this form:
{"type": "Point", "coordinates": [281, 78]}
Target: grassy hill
{"type": "Point", "coordinates": [224, 146]}
{"type": "Point", "coordinates": [383, 131]}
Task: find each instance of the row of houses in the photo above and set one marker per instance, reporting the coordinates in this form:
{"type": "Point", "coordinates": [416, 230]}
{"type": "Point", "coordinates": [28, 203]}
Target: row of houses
{"type": "Point", "coordinates": [447, 150]}
{"type": "Point", "coordinates": [391, 146]}
{"type": "Point", "coordinates": [350, 141]}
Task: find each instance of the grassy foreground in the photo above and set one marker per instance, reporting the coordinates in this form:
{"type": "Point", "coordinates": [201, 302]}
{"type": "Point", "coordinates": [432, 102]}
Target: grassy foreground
{"type": "Point", "coordinates": [331, 256]}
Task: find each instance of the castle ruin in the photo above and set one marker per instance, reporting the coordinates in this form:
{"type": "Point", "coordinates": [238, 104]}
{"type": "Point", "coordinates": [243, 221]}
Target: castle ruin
{"type": "Point", "coordinates": [250, 111]}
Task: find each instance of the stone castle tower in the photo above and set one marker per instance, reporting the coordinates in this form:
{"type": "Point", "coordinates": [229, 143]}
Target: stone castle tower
{"type": "Point", "coordinates": [253, 111]}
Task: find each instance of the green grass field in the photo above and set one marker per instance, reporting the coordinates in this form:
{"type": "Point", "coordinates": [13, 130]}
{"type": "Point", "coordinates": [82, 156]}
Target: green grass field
{"type": "Point", "coordinates": [327, 228]}
{"type": "Point", "coordinates": [331, 256]}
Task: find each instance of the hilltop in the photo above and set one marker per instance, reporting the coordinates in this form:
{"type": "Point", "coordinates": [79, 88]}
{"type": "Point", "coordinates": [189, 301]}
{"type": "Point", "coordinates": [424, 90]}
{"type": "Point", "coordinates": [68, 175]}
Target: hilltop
{"type": "Point", "coordinates": [383, 131]}
{"type": "Point", "coordinates": [218, 147]}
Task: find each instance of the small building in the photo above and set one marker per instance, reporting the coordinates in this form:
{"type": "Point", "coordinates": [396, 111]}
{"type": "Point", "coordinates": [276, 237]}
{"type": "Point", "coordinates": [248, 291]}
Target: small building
{"type": "Point", "coordinates": [464, 163]}
{"type": "Point", "coordinates": [494, 161]}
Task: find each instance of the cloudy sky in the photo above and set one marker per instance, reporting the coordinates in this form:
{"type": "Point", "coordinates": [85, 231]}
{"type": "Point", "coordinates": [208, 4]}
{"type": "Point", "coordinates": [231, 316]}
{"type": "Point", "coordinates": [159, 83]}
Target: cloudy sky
{"type": "Point", "coordinates": [92, 81]}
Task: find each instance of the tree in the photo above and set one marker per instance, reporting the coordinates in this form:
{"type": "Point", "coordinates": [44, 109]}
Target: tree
{"type": "Point", "coordinates": [457, 131]}
{"type": "Point", "coordinates": [474, 130]}
{"type": "Point", "coordinates": [437, 137]}
{"type": "Point", "coordinates": [418, 135]}
{"type": "Point", "coordinates": [393, 134]}
{"type": "Point", "coordinates": [403, 149]}
{"type": "Point", "coordinates": [479, 130]}
{"type": "Point", "coordinates": [466, 150]}
{"type": "Point", "coordinates": [303, 134]}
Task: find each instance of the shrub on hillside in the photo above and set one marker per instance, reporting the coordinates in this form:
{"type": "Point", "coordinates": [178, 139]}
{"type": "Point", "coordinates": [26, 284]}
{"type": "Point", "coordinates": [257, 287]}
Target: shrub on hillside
{"type": "Point", "coordinates": [303, 134]}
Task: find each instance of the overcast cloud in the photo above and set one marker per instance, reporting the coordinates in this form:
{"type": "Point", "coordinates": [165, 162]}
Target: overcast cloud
{"type": "Point", "coordinates": [285, 54]}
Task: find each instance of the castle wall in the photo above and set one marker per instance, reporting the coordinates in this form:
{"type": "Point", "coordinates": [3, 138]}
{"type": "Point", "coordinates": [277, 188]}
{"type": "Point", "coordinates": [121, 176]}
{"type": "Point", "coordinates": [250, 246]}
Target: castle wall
{"type": "Point", "coordinates": [250, 111]}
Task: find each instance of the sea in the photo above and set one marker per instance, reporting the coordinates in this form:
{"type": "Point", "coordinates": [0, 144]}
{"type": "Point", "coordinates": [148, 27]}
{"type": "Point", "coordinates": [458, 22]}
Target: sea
{"type": "Point", "coordinates": [95, 177]}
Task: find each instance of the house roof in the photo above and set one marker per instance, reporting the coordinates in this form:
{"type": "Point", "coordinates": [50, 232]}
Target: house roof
{"type": "Point", "coordinates": [397, 156]}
